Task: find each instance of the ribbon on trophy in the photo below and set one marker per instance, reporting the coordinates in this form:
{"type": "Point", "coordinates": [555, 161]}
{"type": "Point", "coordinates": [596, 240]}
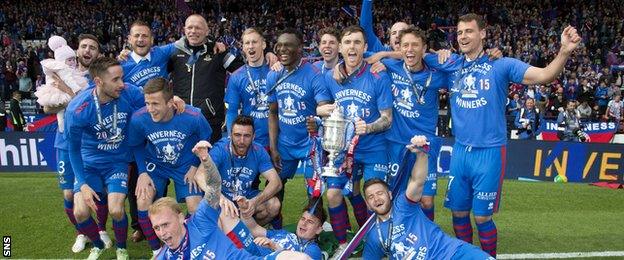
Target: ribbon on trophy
{"type": "Point", "coordinates": [316, 155]}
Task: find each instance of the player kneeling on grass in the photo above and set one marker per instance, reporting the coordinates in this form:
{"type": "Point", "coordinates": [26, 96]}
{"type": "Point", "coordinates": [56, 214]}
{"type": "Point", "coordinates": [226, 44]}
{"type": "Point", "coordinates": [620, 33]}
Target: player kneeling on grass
{"type": "Point", "coordinates": [199, 236]}
{"type": "Point", "coordinates": [240, 161]}
{"type": "Point", "coordinates": [162, 140]}
{"type": "Point", "coordinates": [303, 240]}
{"type": "Point", "coordinates": [402, 230]}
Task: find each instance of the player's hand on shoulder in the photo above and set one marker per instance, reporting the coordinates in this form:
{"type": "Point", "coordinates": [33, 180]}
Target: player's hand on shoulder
{"type": "Point", "coordinates": [179, 105]}
{"type": "Point", "coordinates": [377, 67]}
{"type": "Point", "coordinates": [277, 66]}
{"type": "Point", "coordinates": [201, 149]}
{"type": "Point", "coordinates": [271, 59]}
{"type": "Point", "coordinates": [338, 75]}
{"type": "Point", "coordinates": [443, 54]}
{"type": "Point", "coordinates": [219, 47]}
{"type": "Point", "coordinates": [123, 55]}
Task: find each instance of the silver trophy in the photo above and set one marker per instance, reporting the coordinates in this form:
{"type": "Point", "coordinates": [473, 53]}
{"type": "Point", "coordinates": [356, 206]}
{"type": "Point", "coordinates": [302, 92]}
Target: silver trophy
{"type": "Point", "coordinates": [334, 142]}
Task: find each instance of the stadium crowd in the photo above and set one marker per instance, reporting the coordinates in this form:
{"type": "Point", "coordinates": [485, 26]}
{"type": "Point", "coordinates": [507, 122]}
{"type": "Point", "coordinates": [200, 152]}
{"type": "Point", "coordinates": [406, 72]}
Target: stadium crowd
{"type": "Point", "coordinates": [542, 34]}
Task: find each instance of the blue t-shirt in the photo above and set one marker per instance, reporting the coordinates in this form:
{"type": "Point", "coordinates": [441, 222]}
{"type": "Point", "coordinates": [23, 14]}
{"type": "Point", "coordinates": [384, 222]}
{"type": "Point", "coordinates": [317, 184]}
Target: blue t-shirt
{"type": "Point", "coordinates": [478, 97]}
{"type": "Point", "coordinates": [363, 95]}
{"type": "Point", "coordinates": [414, 236]}
{"type": "Point", "coordinates": [239, 172]}
{"type": "Point", "coordinates": [138, 72]}
{"type": "Point", "coordinates": [253, 97]}
{"type": "Point", "coordinates": [290, 241]}
{"type": "Point", "coordinates": [204, 239]}
{"type": "Point", "coordinates": [166, 146]}
{"type": "Point", "coordinates": [409, 116]}
{"type": "Point", "coordinates": [297, 97]}
{"type": "Point", "coordinates": [92, 143]}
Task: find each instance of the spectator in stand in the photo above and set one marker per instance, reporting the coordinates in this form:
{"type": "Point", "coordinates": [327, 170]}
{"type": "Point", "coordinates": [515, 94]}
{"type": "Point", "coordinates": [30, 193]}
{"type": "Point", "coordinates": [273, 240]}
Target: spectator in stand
{"type": "Point", "coordinates": [514, 106]}
{"type": "Point", "coordinates": [15, 110]}
{"type": "Point", "coordinates": [614, 109]}
{"type": "Point", "coordinates": [585, 110]}
{"type": "Point", "coordinates": [602, 96]}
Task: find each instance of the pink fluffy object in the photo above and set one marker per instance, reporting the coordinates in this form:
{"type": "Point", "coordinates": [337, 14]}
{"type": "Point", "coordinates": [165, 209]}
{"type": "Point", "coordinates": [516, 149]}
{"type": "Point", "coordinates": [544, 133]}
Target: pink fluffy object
{"type": "Point", "coordinates": [49, 94]}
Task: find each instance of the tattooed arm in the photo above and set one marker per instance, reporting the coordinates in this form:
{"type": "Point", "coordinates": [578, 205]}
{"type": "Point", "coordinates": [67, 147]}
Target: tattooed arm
{"type": "Point", "coordinates": [382, 123]}
{"type": "Point", "coordinates": [207, 176]}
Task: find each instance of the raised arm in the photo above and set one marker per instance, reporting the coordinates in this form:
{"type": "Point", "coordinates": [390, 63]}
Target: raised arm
{"type": "Point", "coordinates": [366, 22]}
{"type": "Point", "coordinates": [419, 171]}
{"type": "Point", "coordinates": [211, 183]}
{"type": "Point", "coordinates": [569, 41]}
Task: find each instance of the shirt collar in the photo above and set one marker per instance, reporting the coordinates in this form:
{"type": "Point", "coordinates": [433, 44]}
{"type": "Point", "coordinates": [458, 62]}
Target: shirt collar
{"type": "Point", "coordinates": [138, 58]}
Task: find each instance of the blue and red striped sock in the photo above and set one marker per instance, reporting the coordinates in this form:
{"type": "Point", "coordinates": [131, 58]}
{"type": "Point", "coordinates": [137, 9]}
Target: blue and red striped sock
{"type": "Point", "coordinates": [148, 231]}
{"type": "Point", "coordinates": [430, 213]}
{"type": "Point", "coordinates": [69, 210]}
{"type": "Point", "coordinates": [338, 217]}
{"type": "Point", "coordinates": [121, 230]}
{"type": "Point", "coordinates": [102, 211]}
{"type": "Point", "coordinates": [463, 228]}
{"type": "Point", "coordinates": [90, 229]}
{"type": "Point", "coordinates": [488, 236]}
{"type": "Point", "coordinates": [359, 209]}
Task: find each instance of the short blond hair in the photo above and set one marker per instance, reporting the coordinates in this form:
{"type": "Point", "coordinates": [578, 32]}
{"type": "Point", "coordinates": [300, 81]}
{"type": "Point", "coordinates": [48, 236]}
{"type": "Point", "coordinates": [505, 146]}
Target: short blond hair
{"type": "Point", "coordinates": [253, 30]}
{"type": "Point", "coordinates": [162, 203]}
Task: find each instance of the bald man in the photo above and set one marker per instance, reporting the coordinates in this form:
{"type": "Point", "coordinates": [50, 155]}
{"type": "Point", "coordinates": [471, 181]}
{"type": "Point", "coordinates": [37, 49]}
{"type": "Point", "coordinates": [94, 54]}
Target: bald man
{"type": "Point", "coordinates": [198, 74]}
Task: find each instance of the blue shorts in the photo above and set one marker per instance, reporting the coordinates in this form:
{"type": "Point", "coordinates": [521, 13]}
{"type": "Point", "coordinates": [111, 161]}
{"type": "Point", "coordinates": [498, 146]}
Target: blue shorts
{"type": "Point", "coordinates": [470, 252]}
{"type": "Point", "coordinates": [160, 178]}
{"type": "Point", "coordinates": [113, 178]}
{"type": "Point", "coordinates": [64, 170]}
{"type": "Point", "coordinates": [398, 153]}
{"type": "Point", "coordinates": [475, 179]}
{"type": "Point", "coordinates": [291, 158]}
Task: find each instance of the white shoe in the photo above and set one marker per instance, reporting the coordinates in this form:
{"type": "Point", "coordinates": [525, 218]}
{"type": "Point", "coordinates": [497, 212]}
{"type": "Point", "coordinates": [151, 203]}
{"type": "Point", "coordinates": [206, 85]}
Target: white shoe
{"type": "Point", "coordinates": [155, 253]}
{"type": "Point", "coordinates": [79, 245]}
{"type": "Point", "coordinates": [122, 254]}
{"type": "Point", "coordinates": [338, 252]}
{"type": "Point", "coordinates": [95, 253]}
{"type": "Point", "coordinates": [327, 227]}
{"type": "Point", "coordinates": [108, 243]}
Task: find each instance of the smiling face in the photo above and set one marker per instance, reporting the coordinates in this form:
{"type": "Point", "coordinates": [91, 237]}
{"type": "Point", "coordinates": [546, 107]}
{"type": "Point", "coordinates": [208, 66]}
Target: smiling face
{"type": "Point", "coordinates": [196, 30]}
{"type": "Point", "coordinates": [413, 49]}
{"type": "Point", "coordinates": [88, 50]}
{"type": "Point", "coordinates": [352, 47]}
{"type": "Point", "coordinates": [158, 107]}
{"type": "Point", "coordinates": [470, 38]}
{"type": "Point", "coordinates": [169, 227]}
{"type": "Point", "coordinates": [378, 199]}
{"type": "Point", "coordinates": [328, 47]}
{"type": "Point", "coordinates": [394, 34]}
{"type": "Point", "coordinates": [140, 39]}
{"type": "Point", "coordinates": [288, 49]}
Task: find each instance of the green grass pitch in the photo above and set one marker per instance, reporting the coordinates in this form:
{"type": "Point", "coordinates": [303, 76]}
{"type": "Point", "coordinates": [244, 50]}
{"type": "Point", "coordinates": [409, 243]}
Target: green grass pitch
{"type": "Point", "coordinates": [535, 217]}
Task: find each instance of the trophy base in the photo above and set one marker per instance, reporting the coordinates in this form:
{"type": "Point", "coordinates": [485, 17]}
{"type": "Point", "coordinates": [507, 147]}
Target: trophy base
{"type": "Point", "coordinates": [329, 172]}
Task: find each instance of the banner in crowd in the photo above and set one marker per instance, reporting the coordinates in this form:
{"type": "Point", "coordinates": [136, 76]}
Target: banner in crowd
{"type": "Point", "coordinates": [539, 160]}
{"type": "Point", "coordinates": [599, 132]}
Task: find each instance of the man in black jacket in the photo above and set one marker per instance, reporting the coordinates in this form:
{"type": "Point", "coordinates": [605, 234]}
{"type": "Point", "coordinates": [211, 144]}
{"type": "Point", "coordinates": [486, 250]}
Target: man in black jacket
{"type": "Point", "coordinates": [198, 74]}
{"type": "Point", "coordinates": [15, 110]}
